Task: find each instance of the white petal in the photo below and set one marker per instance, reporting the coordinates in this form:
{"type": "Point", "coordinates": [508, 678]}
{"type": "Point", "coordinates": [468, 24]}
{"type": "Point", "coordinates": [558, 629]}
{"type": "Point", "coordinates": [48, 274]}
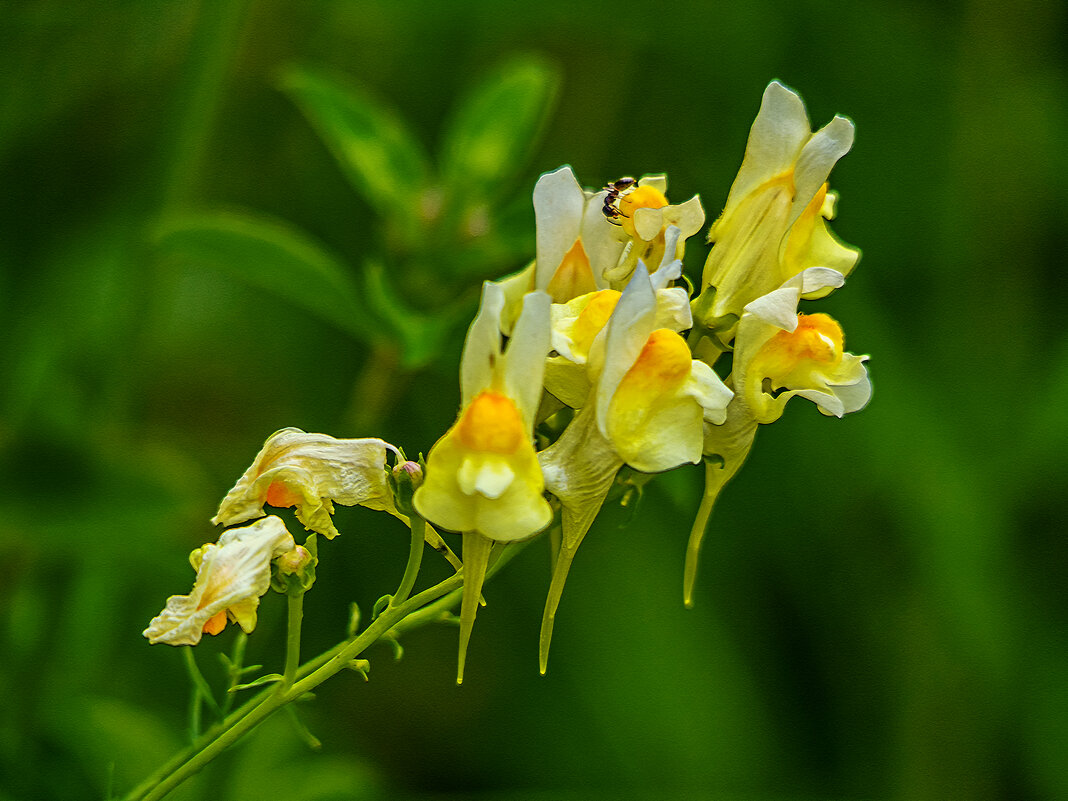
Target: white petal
{"type": "Point", "coordinates": [710, 391]}
{"type": "Point", "coordinates": [817, 159]}
{"type": "Point", "coordinates": [488, 476]}
{"type": "Point", "coordinates": [657, 181]}
{"type": "Point", "coordinates": [558, 205]}
{"type": "Point", "coordinates": [632, 320]}
{"type": "Point", "coordinates": [603, 247]}
{"type": "Point", "coordinates": [779, 307]}
{"type": "Point", "coordinates": [818, 279]}
{"type": "Point", "coordinates": [648, 222]}
{"type": "Point", "coordinates": [482, 348]}
{"type": "Point", "coordinates": [780, 130]}
{"type": "Point", "coordinates": [670, 267]}
{"type": "Point", "coordinates": [525, 360]}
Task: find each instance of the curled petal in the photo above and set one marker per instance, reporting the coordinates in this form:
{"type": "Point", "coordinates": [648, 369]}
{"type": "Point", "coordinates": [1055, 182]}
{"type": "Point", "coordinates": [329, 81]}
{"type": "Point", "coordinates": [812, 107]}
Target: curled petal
{"type": "Point", "coordinates": [232, 576]}
{"type": "Point", "coordinates": [311, 472]}
{"type": "Point", "coordinates": [780, 354]}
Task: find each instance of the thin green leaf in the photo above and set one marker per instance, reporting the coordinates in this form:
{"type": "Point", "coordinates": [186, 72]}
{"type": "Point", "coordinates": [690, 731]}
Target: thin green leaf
{"type": "Point", "coordinates": [270, 678]}
{"type": "Point", "coordinates": [271, 255]}
{"type": "Point", "coordinates": [496, 127]}
{"type": "Point", "coordinates": [377, 152]}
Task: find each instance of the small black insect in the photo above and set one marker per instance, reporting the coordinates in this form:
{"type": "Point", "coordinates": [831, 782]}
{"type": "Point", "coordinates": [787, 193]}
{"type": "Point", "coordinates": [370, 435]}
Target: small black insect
{"type": "Point", "coordinates": [616, 190]}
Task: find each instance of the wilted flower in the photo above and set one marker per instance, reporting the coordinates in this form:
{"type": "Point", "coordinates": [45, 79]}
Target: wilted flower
{"type": "Point", "coordinates": [311, 472]}
{"type": "Point", "coordinates": [773, 225]}
{"type": "Point", "coordinates": [482, 476]}
{"type": "Point", "coordinates": [231, 576]}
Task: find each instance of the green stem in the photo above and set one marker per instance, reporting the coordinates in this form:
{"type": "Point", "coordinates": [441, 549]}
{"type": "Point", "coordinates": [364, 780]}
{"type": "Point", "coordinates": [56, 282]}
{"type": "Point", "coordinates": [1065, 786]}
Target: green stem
{"type": "Point", "coordinates": [296, 617]}
{"type": "Point", "coordinates": [432, 613]}
{"type": "Point", "coordinates": [201, 688]}
{"type": "Point", "coordinates": [219, 738]}
{"type": "Point", "coordinates": [415, 559]}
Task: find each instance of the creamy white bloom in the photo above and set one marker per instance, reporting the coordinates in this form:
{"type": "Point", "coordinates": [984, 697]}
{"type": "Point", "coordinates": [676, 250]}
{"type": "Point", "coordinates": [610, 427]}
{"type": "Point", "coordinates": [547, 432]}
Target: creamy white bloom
{"type": "Point", "coordinates": [231, 576]}
{"type": "Point", "coordinates": [311, 472]}
{"type": "Point", "coordinates": [774, 223]}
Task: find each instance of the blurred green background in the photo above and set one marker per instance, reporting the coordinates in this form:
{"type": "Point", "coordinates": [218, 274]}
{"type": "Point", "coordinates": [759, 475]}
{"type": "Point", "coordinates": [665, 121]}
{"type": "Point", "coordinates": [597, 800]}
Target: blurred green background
{"type": "Point", "coordinates": [881, 610]}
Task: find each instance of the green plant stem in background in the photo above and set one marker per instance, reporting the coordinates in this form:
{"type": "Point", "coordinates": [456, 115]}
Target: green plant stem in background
{"type": "Point", "coordinates": [201, 692]}
{"type": "Point", "coordinates": [211, 49]}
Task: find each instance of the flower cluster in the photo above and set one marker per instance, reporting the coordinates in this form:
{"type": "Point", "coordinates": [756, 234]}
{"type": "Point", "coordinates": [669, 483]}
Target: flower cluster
{"type": "Point", "coordinates": [592, 365]}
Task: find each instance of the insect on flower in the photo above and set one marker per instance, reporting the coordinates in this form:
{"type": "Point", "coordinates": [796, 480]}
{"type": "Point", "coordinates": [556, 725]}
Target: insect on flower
{"type": "Point", "coordinates": [616, 190]}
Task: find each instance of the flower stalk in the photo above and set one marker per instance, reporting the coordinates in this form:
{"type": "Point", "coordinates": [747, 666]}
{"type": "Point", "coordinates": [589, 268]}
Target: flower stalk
{"type": "Point", "coordinates": [582, 377]}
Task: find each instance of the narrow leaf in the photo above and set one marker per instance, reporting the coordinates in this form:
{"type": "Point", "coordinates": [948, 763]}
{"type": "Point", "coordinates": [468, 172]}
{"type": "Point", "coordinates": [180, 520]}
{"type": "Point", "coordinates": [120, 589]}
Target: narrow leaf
{"type": "Point", "coordinates": [271, 255]}
{"type": "Point", "coordinates": [270, 678]}
{"type": "Point", "coordinates": [376, 151]}
{"type": "Point", "coordinates": [496, 126]}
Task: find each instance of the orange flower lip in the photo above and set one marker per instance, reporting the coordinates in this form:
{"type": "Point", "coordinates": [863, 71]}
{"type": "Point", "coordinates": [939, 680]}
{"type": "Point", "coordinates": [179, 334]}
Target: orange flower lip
{"type": "Point", "coordinates": [817, 338]}
{"type": "Point", "coordinates": [643, 197]}
{"type": "Point", "coordinates": [492, 424]}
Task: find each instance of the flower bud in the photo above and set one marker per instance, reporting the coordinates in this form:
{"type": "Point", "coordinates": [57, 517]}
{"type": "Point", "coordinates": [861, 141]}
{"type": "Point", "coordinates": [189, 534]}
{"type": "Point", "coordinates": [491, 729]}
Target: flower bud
{"type": "Point", "coordinates": [405, 478]}
{"type": "Point", "coordinates": [294, 571]}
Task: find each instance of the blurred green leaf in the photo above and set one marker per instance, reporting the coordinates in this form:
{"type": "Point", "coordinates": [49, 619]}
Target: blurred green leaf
{"type": "Point", "coordinates": [108, 731]}
{"type": "Point", "coordinates": [497, 125]}
{"type": "Point", "coordinates": [375, 149]}
{"type": "Point", "coordinates": [271, 255]}
{"type": "Point", "coordinates": [272, 765]}
{"type": "Point", "coordinates": [420, 335]}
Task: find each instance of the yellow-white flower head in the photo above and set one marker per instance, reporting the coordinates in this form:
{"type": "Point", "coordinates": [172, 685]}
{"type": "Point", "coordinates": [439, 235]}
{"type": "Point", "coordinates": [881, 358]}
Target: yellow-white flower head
{"type": "Point", "coordinates": [651, 396]}
{"type": "Point", "coordinates": [580, 322]}
{"type": "Point", "coordinates": [575, 243]}
{"type": "Point", "coordinates": [780, 353]}
{"type": "Point", "coordinates": [231, 576]}
{"type": "Point", "coordinates": [773, 225]}
{"type": "Point", "coordinates": [311, 472]}
{"type": "Point", "coordinates": [483, 474]}
{"type": "Point", "coordinates": [647, 408]}
{"type": "Point", "coordinates": [645, 218]}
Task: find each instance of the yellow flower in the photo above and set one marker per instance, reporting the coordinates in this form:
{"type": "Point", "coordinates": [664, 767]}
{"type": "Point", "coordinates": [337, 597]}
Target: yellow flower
{"type": "Point", "coordinates": [577, 324]}
{"type": "Point", "coordinates": [231, 576]}
{"type": "Point", "coordinates": [780, 353]}
{"type": "Point", "coordinates": [645, 218]}
{"type": "Point", "coordinates": [311, 472]}
{"type": "Point", "coordinates": [482, 476]}
{"type": "Point", "coordinates": [773, 225]}
{"type": "Point", "coordinates": [575, 243]}
{"type": "Point", "coordinates": [648, 408]}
